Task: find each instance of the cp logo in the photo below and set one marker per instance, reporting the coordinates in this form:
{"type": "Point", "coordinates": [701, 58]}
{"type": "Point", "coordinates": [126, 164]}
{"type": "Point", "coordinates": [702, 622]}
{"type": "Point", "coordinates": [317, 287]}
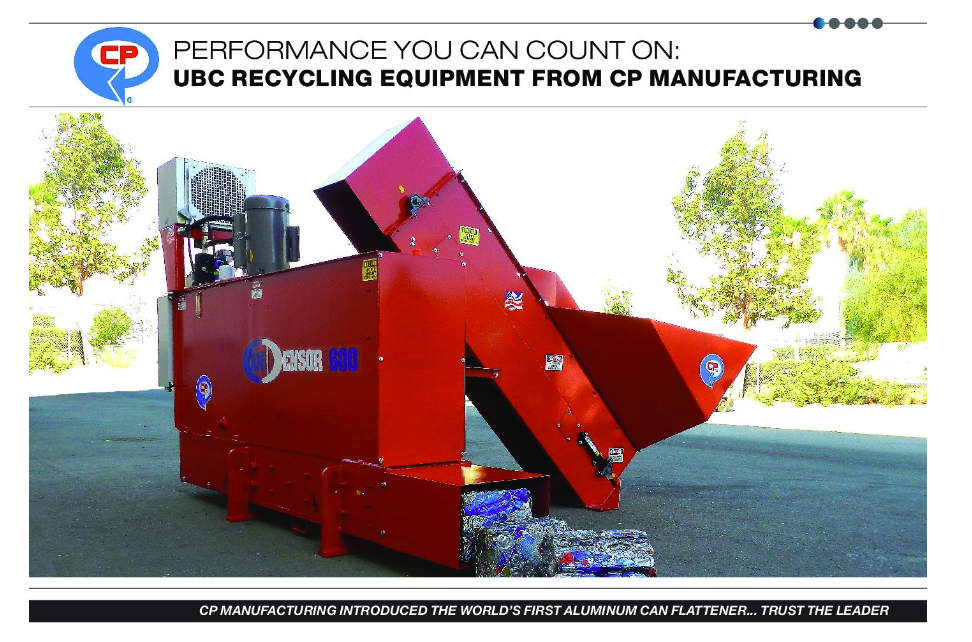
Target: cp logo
{"type": "Point", "coordinates": [111, 60]}
{"type": "Point", "coordinates": [711, 369]}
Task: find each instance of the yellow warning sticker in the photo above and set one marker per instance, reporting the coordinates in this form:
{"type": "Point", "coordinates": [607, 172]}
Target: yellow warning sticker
{"type": "Point", "coordinates": [468, 235]}
{"type": "Point", "coordinates": [369, 270]}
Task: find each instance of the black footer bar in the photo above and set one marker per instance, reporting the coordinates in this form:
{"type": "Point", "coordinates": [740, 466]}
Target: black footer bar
{"type": "Point", "coordinates": [478, 611]}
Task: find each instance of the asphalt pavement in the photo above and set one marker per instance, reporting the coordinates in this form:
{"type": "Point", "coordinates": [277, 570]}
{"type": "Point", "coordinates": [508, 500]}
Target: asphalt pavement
{"type": "Point", "coordinates": [716, 500]}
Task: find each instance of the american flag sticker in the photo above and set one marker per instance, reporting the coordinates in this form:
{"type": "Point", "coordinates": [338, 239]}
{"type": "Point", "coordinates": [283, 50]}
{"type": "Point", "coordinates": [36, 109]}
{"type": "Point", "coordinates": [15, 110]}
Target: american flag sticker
{"type": "Point", "coordinates": [514, 300]}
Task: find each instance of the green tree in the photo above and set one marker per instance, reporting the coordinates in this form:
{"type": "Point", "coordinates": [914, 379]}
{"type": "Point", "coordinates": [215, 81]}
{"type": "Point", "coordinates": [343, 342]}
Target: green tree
{"type": "Point", "coordinates": [617, 301]}
{"type": "Point", "coordinates": [847, 222]}
{"type": "Point", "coordinates": [43, 218]}
{"type": "Point", "coordinates": [759, 255]}
{"type": "Point", "coordinates": [109, 327]}
{"type": "Point", "coordinates": [888, 300]}
{"type": "Point", "coordinates": [859, 236]}
{"type": "Point", "coordinates": [92, 184]}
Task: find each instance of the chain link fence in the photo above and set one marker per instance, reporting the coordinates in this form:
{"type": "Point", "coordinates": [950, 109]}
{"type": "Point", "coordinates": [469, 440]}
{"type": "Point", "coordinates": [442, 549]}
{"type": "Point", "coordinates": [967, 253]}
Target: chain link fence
{"type": "Point", "coordinates": [58, 349]}
{"type": "Point", "coordinates": [117, 356]}
{"type": "Point", "coordinates": [814, 348]}
{"type": "Point", "coordinates": [54, 348]}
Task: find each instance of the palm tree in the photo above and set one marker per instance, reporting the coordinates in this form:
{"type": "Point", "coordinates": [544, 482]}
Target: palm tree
{"type": "Point", "coordinates": [857, 233]}
{"type": "Point", "coordinates": [847, 220]}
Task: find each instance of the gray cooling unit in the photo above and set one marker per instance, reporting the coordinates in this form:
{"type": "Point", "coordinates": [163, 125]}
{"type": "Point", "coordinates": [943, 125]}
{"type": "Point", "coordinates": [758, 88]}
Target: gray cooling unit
{"type": "Point", "coordinates": [190, 190]}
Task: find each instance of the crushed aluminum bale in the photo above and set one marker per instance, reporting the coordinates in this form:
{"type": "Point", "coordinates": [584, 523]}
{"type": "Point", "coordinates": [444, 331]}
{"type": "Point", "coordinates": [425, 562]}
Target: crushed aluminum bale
{"type": "Point", "coordinates": [608, 553]}
{"type": "Point", "coordinates": [522, 548]}
{"type": "Point", "coordinates": [487, 508]}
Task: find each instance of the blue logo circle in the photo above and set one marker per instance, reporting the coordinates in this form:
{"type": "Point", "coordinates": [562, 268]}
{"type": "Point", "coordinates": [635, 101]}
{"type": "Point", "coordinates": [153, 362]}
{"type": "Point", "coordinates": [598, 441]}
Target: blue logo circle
{"type": "Point", "coordinates": [204, 391]}
{"type": "Point", "coordinates": [711, 369]}
{"type": "Point", "coordinates": [116, 48]}
{"type": "Point", "coordinates": [262, 361]}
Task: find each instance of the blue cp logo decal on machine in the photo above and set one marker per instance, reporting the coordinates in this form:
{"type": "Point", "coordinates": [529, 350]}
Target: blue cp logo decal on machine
{"type": "Point", "coordinates": [204, 391]}
{"type": "Point", "coordinates": [112, 60]}
{"type": "Point", "coordinates": [711, 369]}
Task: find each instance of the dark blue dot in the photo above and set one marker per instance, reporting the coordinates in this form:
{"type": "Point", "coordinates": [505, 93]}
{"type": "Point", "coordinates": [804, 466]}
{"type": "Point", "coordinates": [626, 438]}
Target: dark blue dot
{"type": "Point", "coordinates": [819, 23]}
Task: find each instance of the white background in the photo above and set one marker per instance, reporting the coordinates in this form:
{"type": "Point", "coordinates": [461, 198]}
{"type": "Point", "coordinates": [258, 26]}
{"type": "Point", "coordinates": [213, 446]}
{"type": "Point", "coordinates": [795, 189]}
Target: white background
{"type": "Point", "coordinates": [584, 192]}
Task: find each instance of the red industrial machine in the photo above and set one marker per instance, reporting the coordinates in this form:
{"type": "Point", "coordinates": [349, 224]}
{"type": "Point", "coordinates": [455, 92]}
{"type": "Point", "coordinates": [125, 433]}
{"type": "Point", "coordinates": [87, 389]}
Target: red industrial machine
{"type": "Point", "coordinates": [334, 392]}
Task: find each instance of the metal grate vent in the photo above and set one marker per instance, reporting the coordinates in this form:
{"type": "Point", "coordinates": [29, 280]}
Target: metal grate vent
{"type": "Point", "coordinates": [215, 191]}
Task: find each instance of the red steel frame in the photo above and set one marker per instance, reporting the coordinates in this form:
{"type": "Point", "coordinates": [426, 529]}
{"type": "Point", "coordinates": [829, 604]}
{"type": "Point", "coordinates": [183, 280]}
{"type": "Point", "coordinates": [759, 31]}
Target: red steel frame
{"type": "Point", "coordinates": [539, 414]}
{"type": "Point", "coordinates": [373, 454]}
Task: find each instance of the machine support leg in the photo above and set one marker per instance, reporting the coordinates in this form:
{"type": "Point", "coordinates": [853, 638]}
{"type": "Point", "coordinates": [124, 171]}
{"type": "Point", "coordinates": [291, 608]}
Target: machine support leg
{"type": "Point", "coordinates": [612, 501]}
{"type": "Point", "coordinates": [238, 486]}
{"type": "Point", "coordinates": [333, 541]}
